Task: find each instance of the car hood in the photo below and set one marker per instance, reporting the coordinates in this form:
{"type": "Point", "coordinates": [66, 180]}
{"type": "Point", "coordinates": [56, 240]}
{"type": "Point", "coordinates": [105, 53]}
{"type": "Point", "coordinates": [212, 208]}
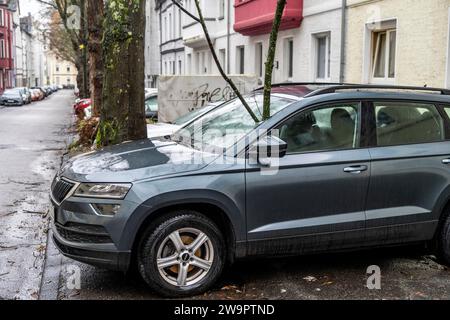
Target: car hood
{"type": "Point", "coordinates": [133, 161]}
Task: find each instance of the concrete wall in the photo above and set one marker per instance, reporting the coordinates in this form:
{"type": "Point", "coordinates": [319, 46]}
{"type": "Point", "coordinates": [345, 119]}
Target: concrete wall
{"type": "Point", "coordinates": [179, 95]}
{"type": "Point", "coordinates": [422, 40]}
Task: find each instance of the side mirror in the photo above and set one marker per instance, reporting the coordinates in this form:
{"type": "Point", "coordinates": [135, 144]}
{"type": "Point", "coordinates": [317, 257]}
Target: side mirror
{"type": "Point", "coordinates": [268, 147]}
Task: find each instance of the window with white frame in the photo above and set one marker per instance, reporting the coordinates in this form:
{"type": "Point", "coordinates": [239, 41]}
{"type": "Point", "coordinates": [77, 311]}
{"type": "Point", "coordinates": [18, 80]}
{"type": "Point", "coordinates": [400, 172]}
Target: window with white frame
{"type": "Point", "coordinates": [2, 49]}
{"type": "Point", "coordinates": [189, 64]}
{"type": "Point", "coordinates": [322, 56]}
{"type": "Point", "coordinates": [2, 17]}
{"type": "Point", "coordinates": [170, 35]}
{"type": "Point", "coordinates": [222, 58]}
{"type": "Point", "coordinates": [221, 9]}
{"type": "Point", "coordinates": [164, 33]}
{"type": "Point", "coordinates": [289, 58]}
{"type": "Point", "coordinates": [259, 59]}
{"type": "Point", "coordinates": [240, 60]}
{"type": "Point", "coordinates": [384, 44]}
{"type": "Point", "coordinates": [197, 63]}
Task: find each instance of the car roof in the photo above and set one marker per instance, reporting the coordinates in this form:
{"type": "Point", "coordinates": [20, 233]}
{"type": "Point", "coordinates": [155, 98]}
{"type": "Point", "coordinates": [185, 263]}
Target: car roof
{"type": "Point", "coordinates": [333, 91]}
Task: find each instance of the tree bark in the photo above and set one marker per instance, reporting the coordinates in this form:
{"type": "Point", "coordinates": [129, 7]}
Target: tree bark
{"type": "Point", "coordinates": [281, 4]}
{"type": "Point", "coordinates": [95, 11]}
{"type": "Point", "coordinates": [83, 35]}
{"type": "Point", "coordinates": [123, 108]}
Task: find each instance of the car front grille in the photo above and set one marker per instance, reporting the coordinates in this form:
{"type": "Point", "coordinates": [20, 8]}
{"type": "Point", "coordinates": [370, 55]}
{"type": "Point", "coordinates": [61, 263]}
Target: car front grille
{"type": "Point", "coordinates": [79, 233]}
{"type": "Point", "coordinates": [60, 189]}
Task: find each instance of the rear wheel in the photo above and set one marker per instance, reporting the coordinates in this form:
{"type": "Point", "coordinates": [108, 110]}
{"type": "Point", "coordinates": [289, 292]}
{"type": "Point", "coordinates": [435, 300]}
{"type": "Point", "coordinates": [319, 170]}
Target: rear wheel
{"type": "Point", "coordinates": [444, 240]}
{"type": "Point", "coordinates": [182, 255]}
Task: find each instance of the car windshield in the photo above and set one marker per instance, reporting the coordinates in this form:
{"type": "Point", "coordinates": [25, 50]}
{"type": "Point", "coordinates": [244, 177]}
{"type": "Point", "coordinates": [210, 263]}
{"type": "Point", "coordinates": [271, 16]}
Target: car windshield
{"type": "Point", "coordinates": [194, 114]}
{"type": "Point", "coordinates": [151, 104]}
{"type": "Point", "coordinates": [221, 128]}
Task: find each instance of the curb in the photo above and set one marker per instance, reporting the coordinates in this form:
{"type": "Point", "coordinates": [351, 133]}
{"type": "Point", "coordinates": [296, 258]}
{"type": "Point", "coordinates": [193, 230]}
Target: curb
{"type": "Point", "coordinates": [52, 270]}
{"type": "Point", "coordinates": [49, 288]}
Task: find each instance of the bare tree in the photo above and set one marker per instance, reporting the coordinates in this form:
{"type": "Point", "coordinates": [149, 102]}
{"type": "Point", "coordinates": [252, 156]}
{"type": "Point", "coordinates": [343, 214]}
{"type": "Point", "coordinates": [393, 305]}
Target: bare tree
{"type": "Point", "coordinates": [77, 37]}
{"type": "Point", "coordinates": [281, 4]}
{"type": "Point", "coordinates": [271, 57]}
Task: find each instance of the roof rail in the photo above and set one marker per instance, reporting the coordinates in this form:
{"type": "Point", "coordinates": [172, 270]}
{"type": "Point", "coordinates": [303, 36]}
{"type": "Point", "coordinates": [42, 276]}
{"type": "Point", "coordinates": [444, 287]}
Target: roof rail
{"type": "Point", "coordinates": [334, 88]}
{"type": "Point", "coordinates": [286, 84]}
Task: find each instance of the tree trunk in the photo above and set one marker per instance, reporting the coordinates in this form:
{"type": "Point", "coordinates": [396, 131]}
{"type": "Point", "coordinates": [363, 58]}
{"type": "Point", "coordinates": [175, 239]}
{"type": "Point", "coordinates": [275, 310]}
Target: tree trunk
{"type": "Point", "coordinates": [83, 35]}
{"type": "Point", "coordinates": [271, 57]}
{"type": "Point", "coordinates": [95, 11]}
{"type": "Point", "coordinates": [123, 111]}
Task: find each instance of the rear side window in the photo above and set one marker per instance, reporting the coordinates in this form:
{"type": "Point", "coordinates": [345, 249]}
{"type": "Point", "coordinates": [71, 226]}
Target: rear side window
{"type": "Point", "coordinates": [407, 123]}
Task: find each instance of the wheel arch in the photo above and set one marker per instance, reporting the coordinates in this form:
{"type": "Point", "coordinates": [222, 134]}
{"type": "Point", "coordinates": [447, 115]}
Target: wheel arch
{"type": "Point", "coordinates": [215, 206]}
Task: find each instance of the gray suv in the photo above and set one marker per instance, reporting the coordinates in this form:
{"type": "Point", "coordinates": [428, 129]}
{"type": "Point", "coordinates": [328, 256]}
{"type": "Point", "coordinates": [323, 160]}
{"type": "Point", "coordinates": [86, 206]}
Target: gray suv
{"type": "Point", "coordinates": [336, 167]}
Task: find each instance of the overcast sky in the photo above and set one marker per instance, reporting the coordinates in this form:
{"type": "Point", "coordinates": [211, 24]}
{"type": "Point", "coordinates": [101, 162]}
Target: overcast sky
{"type": "Point", "coordinates": [30, 6]}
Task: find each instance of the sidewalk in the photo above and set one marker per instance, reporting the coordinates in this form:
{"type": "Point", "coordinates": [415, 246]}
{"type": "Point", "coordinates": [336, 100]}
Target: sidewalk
{"type": "Point", "coordinates": [31, 152]}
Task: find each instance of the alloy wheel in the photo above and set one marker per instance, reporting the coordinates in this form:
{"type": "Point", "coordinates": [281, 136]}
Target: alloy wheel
{"type": "Point", "coordinates": [185, 257]}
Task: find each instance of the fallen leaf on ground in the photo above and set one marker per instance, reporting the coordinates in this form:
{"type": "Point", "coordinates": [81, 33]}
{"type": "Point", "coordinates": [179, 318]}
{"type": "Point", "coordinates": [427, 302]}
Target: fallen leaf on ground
{"type": "Point", "coordinates": [310, 279]}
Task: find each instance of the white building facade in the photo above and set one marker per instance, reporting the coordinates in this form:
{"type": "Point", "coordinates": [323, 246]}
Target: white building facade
{"type": "Point", "coordinates": [170, 38]}
{"type": "Point", "coordinates": [152, 48]}
{"type": "Point", "coordinates": [306, 53]}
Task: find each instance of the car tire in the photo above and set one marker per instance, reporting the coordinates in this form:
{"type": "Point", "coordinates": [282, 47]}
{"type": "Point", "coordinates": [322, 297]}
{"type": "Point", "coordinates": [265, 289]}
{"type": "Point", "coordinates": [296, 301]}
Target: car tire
{"type": "Point", "coordinates": [183, 268]}
{"type": "Point", "coordinates": [443, 247]}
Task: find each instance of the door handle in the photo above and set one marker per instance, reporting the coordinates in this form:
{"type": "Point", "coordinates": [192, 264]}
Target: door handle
{"type": "Point", "coordinates": [446, 161]}
{"type": "Point", "coordinates": [356, 169]}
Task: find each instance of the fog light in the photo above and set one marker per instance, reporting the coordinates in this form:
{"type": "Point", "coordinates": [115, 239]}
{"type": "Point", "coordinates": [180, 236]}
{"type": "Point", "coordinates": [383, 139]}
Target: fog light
{"type": "Point", "coordinates": [107, 209]}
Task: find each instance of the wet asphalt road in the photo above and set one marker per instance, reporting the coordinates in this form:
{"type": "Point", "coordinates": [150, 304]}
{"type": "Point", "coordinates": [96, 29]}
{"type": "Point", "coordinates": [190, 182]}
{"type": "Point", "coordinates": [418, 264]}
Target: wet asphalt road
{"type": "Point", "coordinates": [31, 142]}
{"type": "Point", "coordinates": [407, 274]}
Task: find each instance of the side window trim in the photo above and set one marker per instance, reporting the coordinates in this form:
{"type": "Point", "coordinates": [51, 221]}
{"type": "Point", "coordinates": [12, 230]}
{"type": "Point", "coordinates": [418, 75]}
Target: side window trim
{"type": "Point", "coordinates": [446, 118]}
{"type": "Point", "coordinates": [323, 105]}
{"type": "Point", "coordinates": [439, 108]}
{"type": "Point", "coordinates": [369, 129]}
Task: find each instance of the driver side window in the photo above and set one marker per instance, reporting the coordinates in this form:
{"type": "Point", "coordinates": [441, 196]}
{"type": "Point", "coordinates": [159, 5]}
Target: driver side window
{"type": "Point", "coordinates": [326, 128]}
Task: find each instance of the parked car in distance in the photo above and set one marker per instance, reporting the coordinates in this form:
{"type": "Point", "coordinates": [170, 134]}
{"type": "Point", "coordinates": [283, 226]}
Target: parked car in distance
{"type": "Point", "coordinates": [44, 92]}
{"type": "Point", "coordinates": [335, 167]}
{"type": "Point", "coordinates": [151, 105]}
{"type": "Point", "coordinates": [26, 94]}
{"type": "Point", "coordinates": [36, 94]}
{"type": "Point", "coordinates": [167, 129]}
{"type": "Point", "coordinates": [80, 105]}
{"type": "Point", "coordinates": [13, 97]}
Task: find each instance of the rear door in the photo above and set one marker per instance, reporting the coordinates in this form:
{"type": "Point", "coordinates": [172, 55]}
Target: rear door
{"type": "Point", "coordinates": [410, 171]}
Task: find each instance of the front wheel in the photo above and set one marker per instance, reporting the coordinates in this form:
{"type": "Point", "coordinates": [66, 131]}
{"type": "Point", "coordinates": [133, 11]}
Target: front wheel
{"type": "Point", "coordinates": [183, 255]}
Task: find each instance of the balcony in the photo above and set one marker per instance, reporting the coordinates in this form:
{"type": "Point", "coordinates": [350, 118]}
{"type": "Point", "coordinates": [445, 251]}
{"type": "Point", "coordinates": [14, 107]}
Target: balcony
{"type": "Point", "coordinates": [255, 17]}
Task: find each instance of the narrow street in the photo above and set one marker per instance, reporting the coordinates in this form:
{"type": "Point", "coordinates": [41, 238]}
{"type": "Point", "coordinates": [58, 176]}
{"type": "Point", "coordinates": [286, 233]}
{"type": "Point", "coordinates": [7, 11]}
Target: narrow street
{"type": "Point", "coordinates": [32, 140]}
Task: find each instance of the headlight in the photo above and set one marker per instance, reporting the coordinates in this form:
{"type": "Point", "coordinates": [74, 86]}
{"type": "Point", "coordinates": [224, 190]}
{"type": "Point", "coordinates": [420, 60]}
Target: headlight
{"type": "Point", "coordinates": [103, 190]}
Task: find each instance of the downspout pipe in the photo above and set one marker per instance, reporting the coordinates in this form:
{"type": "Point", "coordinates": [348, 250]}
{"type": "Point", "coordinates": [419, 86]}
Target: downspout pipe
{"type": "Point", "coordinates": [343, 39]}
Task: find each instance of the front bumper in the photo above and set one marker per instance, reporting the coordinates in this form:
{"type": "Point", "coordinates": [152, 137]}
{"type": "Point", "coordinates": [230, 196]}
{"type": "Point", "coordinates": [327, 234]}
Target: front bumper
{"type": "Point", "coordinates": [15, 103]}
{"type": "Point", "coordinates": [112, 260]}
{"type": "Point", "coordinates": [83, 236]}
